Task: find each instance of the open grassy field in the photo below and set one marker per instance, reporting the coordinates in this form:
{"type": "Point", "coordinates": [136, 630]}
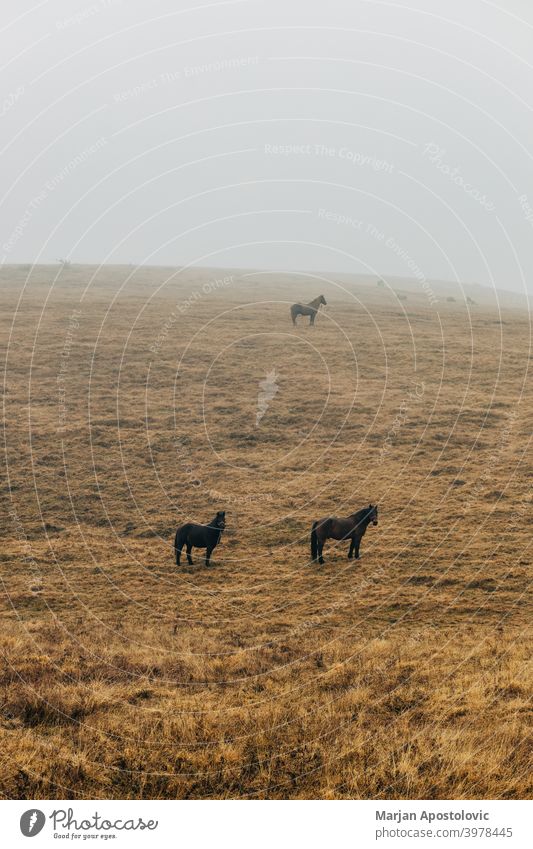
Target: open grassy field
{"type": "Point", "coordinates": [131, 403]}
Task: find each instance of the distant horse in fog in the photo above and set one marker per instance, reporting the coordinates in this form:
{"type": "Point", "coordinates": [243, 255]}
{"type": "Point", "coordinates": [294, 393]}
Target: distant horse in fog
{"type": "Point", "coordinates": [202, 536]}
{"type": "Point", "coordinates": [352, 528]}
{"type": "Point", "coordinates": [309, 309]}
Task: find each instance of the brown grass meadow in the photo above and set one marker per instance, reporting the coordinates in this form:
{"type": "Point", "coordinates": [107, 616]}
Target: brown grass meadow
{"type": "Point", "coordinates": [130, 403]}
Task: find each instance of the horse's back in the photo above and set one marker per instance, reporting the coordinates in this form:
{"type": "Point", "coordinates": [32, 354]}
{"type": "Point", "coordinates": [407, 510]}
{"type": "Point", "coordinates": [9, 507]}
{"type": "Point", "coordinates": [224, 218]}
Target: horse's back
{"type": "Point", "coordinates": [192, 532]}
{"type": "Point", "coordinates": [200, 536]}
{"type": "Point", "coordinates": [338, 528]}
{"type": "Point", "coordinates": [324, 524]}
{"type": "Point", "coordinates": [345, 527]}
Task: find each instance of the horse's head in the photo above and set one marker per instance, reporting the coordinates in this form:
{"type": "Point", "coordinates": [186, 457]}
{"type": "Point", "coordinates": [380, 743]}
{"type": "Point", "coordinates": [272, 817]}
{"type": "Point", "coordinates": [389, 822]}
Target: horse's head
{"type": "Point", "coordinates": [373, 513]}
{"type": "Point", "coordinates": [220, 521]}
{"type": "Point", "coordinates": [323, 300]}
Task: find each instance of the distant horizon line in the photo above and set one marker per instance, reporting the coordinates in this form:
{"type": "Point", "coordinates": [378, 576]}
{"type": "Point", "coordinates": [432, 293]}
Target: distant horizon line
{"type": "Point", "coordinates": [255, 270]}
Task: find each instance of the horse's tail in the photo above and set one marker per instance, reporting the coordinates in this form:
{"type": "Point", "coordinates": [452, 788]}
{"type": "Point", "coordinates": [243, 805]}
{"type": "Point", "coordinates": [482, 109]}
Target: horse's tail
{"type": "Point", "coordinates": [314, 542]}
{"type": "Point", "coordinates": [296, 310]}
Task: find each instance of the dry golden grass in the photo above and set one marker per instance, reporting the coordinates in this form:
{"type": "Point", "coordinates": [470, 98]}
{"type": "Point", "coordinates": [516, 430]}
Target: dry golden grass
{"type": "Point", "coordinates": [403, 675]}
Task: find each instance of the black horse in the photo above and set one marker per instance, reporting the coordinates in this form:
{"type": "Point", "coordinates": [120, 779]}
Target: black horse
{"type": "Point", "coordinates": [309, 309]}
{"type": "Point", "coordinates": [352, 527]}
{"type": "Point", "coordinates": [202, 536]}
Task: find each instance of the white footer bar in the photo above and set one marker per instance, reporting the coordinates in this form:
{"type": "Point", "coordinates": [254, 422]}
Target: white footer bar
{"type": "Point", "coordinates": [272, 825]}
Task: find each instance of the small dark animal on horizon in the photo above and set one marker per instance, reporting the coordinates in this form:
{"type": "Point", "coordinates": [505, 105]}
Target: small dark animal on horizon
{"type": "Point", "coordinates": [201, 536]}
{"type": "Point", "coordinates": [352, 527]}
{"type": "Point", "coordinates": [309, 309]}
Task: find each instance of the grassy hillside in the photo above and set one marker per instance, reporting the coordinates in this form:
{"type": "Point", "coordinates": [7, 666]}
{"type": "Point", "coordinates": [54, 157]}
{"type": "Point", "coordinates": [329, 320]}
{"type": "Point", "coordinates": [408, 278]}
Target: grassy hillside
{"type": "Point", "coordinates": [130, 405]}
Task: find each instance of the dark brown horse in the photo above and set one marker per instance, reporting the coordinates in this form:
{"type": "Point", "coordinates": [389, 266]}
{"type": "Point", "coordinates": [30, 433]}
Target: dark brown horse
{"type": "Point", "coordinates": [352, 527]}
{"type": "Point", "coordinates": [309, 309]}
{"type": "Point", "coordinates": [202, 536]}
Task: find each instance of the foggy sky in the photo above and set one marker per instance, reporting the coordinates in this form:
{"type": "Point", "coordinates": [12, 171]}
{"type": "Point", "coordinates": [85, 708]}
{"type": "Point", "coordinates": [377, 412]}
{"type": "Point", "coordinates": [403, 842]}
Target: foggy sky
{"type": "Point", "coordinates": [362, 137]}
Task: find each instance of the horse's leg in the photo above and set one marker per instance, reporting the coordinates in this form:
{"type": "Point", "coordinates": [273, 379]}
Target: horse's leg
{"type": "Point", "coordinates": [322, 533]}
{"type": "Point", "coordinates": [352, 546]}
{"type": "Point", "coordinates": [189, 558]}
{"type": "Point", "coordinates": [357, 543]}
{"type": "Point", "coordinates": [312, 318]}
{"type": "Point", "coordinates": [179, 546]}
{"type": "Point", "coordinates": [208, 553]}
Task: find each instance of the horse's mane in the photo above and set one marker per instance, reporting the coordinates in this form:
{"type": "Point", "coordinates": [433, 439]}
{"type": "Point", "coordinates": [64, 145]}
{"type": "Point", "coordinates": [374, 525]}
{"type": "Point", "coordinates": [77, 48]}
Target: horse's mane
{"type": "Point", "coordinates": [363, 514]}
